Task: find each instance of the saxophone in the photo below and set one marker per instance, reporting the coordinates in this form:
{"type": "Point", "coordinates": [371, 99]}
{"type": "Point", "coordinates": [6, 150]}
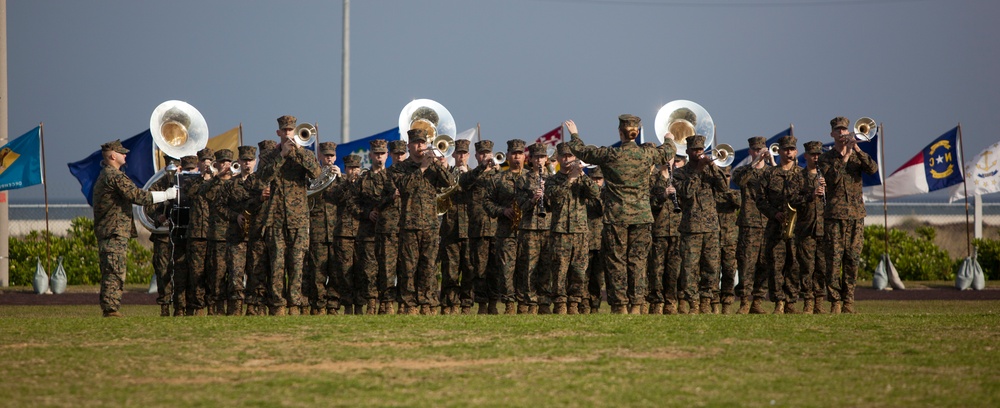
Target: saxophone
{"type": "Point", "coordinates": [788, 225]}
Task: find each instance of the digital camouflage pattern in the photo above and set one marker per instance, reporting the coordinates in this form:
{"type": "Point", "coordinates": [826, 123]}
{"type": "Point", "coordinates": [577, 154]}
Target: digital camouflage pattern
{"type": "Point", "coordinates": [162, 265]}
{"type": "Point", "coordinates": [214, 193]}
{"type": "Point", "coordinates": [844, 241]}
{"type": "Point", "coordinates": [501, 193]}
{"type": "Point", "coordinates": [379, 187]}
{"type": "Point", "coordinates": [700, 252]}
{"type": "Point", "coordinates": [779, 189]}
{"type": "Point", "coordinates": [664, 257]}
{"type": "Point", "coordinates": [810, 241]}
{"type": "Point", "coordinates": [595, 270]}
{"type": "Point", "coordinates": [482, 228]}
{"type": "Point", "coordinates": [343, 193]}
{"type": "Point", "coordinates": [454, 255]}
{"type": "Point", "coordinates": [728, 206]}
{"type": "Point", "coordinates": [532, 274]}
{"type": "Point", "coordinates": [418, 236]}
{"type": "Point", "coordinates": [750, 242]}
{"type": "Point", "coordinates": [569, 248]}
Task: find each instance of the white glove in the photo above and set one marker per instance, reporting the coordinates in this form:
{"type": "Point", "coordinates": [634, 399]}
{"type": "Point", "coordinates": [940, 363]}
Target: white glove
{"type": "Point", "coordinates": [161, 196]}
{"type": "Point", "coordinates": [171, 193]}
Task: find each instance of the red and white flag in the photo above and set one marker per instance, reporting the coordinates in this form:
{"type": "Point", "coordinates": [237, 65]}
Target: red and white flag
{"type": "Point", "coordinates": [552, 137]}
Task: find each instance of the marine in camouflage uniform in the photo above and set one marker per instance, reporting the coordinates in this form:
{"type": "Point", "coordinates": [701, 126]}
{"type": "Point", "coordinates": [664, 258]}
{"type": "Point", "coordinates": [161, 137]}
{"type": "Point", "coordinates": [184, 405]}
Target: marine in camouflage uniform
{"type": "Point", "coordinates": [781, 188]}
{"type": "Point", "coordinates": [114, 195]}
{"type": "Point", "coordinates": [482, 228]}
{"type": "Point", "coordinates": [340, 291]}
{"type": "Point", "coordinates": [628, 219]}
{"type": "Point", "coordinates": [844, 216]}
{"type": "Point", "coordinates": [234, 199]}
{"type": "Point", "coordinates": [162, 262]}
{"type": "Point", "coordinates": [258, 206]}
{"type": "Point", "coordinates": [367, 281]}
{"type": "Point", "coordinates": [382, 185]}
{"type": "Point", "coordinates": [197, 234]}
{"type": "Point", "coordinates": [454, 250]}
{"type": "Point", "coordinates": [728, 206]}
{"type": "Point", "coordinates": [178, 239]}
{"type": "Point", "coordinates": [286, 222]}
{"type": "Point", "coordinates": [532, 280]}
{"type": "Point", "coordinates": [595, 261]}
{"type": "Point", "coordinates": [698, 183]}
{"type": "Point", "coordinates": [500, 204]}
{"type": "Point", "coordinates": [665, 256]}
{"type": "Point", "coordinates": [809, 234]}
{"type": "Point", "coordinates": [568, 193]}
{"type": "Point", "coordinates": [749, 257]}
{"type": "Point", "coordinates": [216, 281]}
{"type": "Point", "coordinates": [322, 258]}
{"type": "Point", "coordinates": [421, 178]}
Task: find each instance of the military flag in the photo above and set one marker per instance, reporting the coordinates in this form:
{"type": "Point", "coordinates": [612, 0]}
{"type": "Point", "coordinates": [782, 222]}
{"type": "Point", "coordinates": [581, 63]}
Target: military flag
{"type": "Point", "coordinates": [21, 161]}
{"type": "Point", "coordinates": [983, 175]}
{"type": "Point", "coordinates": [361, 147]}
{"type": "Point", "coordinates": [138, 166]}
{"type": "Point", "coordinates": [934, 167]}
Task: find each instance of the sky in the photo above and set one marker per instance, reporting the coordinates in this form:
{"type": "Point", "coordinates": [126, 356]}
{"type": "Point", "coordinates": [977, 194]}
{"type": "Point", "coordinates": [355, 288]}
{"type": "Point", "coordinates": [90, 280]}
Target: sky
{"type": "Point", "coordinates": [93, 71]}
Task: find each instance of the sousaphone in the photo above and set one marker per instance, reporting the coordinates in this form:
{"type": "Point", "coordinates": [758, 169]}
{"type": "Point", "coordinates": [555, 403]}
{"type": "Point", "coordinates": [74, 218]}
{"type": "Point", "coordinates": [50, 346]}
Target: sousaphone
{"type": "Point", "coordinates": [428, 115]}
{"type": "Point", "coordinates": [683, 118]}
{"type": "Point", "coordinates": [178, 130]}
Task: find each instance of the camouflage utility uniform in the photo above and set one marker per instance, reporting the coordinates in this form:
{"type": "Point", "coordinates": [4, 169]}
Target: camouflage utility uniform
{"type": "Point", "coordinates": [569, 248]}
{"type": "Point", "coordinates": [665, 255]}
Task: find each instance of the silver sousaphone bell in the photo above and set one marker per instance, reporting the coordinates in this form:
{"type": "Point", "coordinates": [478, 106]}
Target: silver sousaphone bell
{"type": "Point", "coordinates": [683, 118]}
{"type": "Point", "coordinates": [428, 115]}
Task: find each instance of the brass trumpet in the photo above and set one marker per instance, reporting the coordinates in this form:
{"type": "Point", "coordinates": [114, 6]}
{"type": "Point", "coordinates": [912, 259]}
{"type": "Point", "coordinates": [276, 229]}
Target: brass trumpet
{"type": "Point", "coordinates": [864, 129]}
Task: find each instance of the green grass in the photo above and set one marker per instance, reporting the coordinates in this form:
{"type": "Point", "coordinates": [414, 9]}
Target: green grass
{"type": "Point", "coordinates": [928, 353]}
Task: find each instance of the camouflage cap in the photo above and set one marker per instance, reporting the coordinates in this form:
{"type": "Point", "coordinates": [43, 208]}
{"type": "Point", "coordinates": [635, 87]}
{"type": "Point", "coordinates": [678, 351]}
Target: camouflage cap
{"type": "Point", "coordinates": [114, 146]}
{"type": "Point", "coordinates": [757, 142]}
{"type": "Point", "coordinates": [224, 155]}
{"type": "Point", "coordinates": [206, 154]}
{"type": "Point", "coordinates": [287, 122]}
{"type": "Point", "coordinates": [267, 144]}
{"type": "Point", "coordinates": [247, 152]}
{"type": "Point", "coordinates": [814, 147]}
{"type": "Point", "coordinates": [328, 148]}
{"type": "Point", "coordinates": [461, 146]}
{"type": "Point", "coordinates": [596, 173]}
{"type": "Point", "coordinates": [787, 142]}
{"type": "Point", "coordinates": [563, 149]}
{"type": "Point", "coordinates": [352, 160]}
{"type": "Point", "coordinates": [840, 122]}
{"type": "Point", "coordinates": [626, 121]}
{"type": "Point", "coordinates": [515, 146]}
{"type": "Point", "coordinates": [537, 149]}
{"type": "Point", "coordinates": [484, 146]}
{"type": "Point", "coordinates": [695, 142]}
{"type": "Point", "coordinates": [416, 135]}
{"type": "Point", "coordinates": [189, 162]}
{"type": "Point", "coordinates": [397, 146]}
{"type": "Point", "coordinates": [378, 146]}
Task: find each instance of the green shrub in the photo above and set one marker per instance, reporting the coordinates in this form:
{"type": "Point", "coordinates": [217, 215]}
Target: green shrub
{"type": "Point", "coordinates": [915, 258]}
{"type": "Point", "coordinates": [988, 255]}
{"type": "Point", "coordinates": [80, 256]}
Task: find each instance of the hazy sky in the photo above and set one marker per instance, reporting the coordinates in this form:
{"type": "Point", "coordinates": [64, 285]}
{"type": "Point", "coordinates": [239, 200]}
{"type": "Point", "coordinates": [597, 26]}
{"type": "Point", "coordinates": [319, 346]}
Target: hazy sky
{"type": "Point", "coordinates": [94, 70]}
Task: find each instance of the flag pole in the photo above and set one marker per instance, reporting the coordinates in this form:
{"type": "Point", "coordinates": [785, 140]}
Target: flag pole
{"type": "Point", "coordinates": [881, 172]}
{"type": "Point", "coordinates": [241, 135]}
{"type": "Point", "coordinates": [479, 132]}
{"type": "Point", "coordinates": [4, 231]}
{"type": "Point", "coordinates": [791, 127]}
{"type": "Point", "coordinates": [965, 186]}
{"type": "Point", "coordinates": [45, 189]}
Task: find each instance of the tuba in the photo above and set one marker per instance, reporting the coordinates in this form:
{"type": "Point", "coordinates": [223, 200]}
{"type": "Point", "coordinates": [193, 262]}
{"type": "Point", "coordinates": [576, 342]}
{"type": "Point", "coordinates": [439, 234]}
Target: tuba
{"type": "Point", "coordinates": [178, 130]}
{"type": "Point", "coordinates": [428, 115]}
{"type": "Point", "coordinates": [306, 134]}
{"type": "Point", "coordinates": [682, 118]}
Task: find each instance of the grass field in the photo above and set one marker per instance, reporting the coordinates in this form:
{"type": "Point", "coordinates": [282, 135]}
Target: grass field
{"type": "Point", "coordinates": [928, 353]}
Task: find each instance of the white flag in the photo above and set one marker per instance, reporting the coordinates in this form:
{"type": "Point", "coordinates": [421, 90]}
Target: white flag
{"type": "Point", "coordinates": [982, 174]}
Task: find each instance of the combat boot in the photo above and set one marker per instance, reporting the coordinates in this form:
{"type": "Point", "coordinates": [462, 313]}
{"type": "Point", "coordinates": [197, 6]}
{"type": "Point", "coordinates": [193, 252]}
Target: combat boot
{"type": "Point", "coordinates": [757, 306]}
{"type": "Point", "coordinates": [585, 307]}
{"type": "Point", "coordinates": [401, 308]}
{"type": "Point", "coordinates": [790, 308]}
{"type": "Point", "coordinates": [113, 313]}
{"type": "Point", "coordinates": [332, 311]}
{"type": "Point", "coordinates": [656, 308]}
{"type": "Point", "coordinates": [277, 310]}
{"type": "Point", "coordinates": [835, 307]}
{"type": "Point", "coordinates": [236, 308]}
{"type": "Point", "coordinates": [694, 307]}
{"type": "Point", "coordinates": [560, 309]}
{"type": "Point", "coordinates": [522, 308]}
{"type": "Point", "coordinates": [178, 310]}
{"type": "Point", "coordinates": [818, 306]}
{"type": "Point", "coordinates": [482, 308]}
{"type": "Point", "coordinates": [670, 308]}
{"type": "Point", "coordinates": [200, 312]}
{"type": "Point", "coordinates": [425, 310]}
{"type": "Point", "coordinates": [445, 310]}
{"type": "Point", "coordinates": [544, 309]}
{"type": "Point", "coordinates": [808, 306]}
{"type": "Point", "coordinates": [705, 306]}
{"type": "Point", "coordinates": [509, 308]}
{"type": "Point", "coordinates": [727, 304]}
{"type": "Point", "coordinates": [634, 309]}
{"type": "Point", "coordinates": [372, 307]}
{"type": "Point", "coordinates": [682, 307]}
{"type": "Point", "coordinates": [466, 310]}
{"type": "Point", "coordinates": [390, 308]}
{"type": "Point", "coordinates": [716, 308]}
{"type": "Point", "coordinates": [293, 310]}
{"type": "Point", "coordinates": [165, 310]}
{"type": "Point", "coordinates": [849, 307]}
{"type": "Point", "coordinates": [779, 307]}
{"type": "Point", "coordinates": [618, 309]}
{"type": "Point", "coordinates": [317, 311]}
{"type": "Point", "coordinates": [412, 310]}
{"type": "Point", "coordinates": [210, 309]}
{"type": "Point", "coordinates": [349, 309]}
{"type": "Point", "coordinates": [532, 309]}
{"type": "Point", "coordinates": [744, 305]}
{"type": "Point", "coordinates": [572, 308]}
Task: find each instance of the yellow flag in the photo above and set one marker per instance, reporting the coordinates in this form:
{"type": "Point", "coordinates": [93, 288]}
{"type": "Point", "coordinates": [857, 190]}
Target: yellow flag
{"type": "Point", "coordinates": [229, 139]}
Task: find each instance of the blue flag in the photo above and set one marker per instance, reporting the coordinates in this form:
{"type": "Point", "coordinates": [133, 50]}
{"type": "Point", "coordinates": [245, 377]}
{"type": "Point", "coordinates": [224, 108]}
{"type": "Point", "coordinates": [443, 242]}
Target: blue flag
{"type": "Point", "coordinates": [21, 161]}
{"type": "Point", "coordinates": [936, 166]}
{"type": "Point", "coordinates": [742, 157]}
{"type": "Point", "coordinates": [138, 164]}
{"type": "Point", "coordinates": [873, 149]}
{"type": "Point", "coordinates": [361, 147]}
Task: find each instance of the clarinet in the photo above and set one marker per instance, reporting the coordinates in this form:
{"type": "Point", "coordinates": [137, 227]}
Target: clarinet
{"type": "Point", "coordinates": [540, 207]}
{"type": "Point", "coordinates": [819, 177]}
{"type": "Point", "coordinates": [670, 183]}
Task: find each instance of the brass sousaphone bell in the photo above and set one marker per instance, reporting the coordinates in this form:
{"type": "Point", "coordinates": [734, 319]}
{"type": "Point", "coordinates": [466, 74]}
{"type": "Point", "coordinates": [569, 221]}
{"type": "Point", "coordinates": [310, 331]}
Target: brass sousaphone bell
{"type": "Point", "coordinates": [430, 116]}
{"type": "Point", "coordinates": [683, 118]}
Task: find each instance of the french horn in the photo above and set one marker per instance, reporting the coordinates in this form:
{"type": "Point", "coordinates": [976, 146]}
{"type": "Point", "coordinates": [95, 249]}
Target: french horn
{"type": "Point", "coordinates": [321, 183]}
{"type": "Point", "coordinates": [178, 130]}
{"type": "Point", "coordinates": [683, 118]}
{"type": "Point", "coordinates": [428, 115]}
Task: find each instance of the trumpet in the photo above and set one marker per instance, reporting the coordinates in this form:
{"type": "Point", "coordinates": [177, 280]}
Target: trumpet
{"type": "Point", "coordinates": [235, 168]}
{"type": "Point", "coordinates": [305, 134]}
{"type": "Point", "coordinates": [775, 150]}
{"type": "Point", "coordinates": [723, 155]}
{"type": "Point", "coordinates": [499, 158]}
{"type": "Point", "coordinates": [864, 129]}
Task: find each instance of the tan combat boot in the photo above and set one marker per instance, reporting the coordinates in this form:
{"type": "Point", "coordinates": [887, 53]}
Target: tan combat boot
{"type": "Point", "coordinates": [818, 306]}
{"type": "Point", "coordinates": [779, 307]}
{"type": "Point", "coordinates": [727, 305]}
{"type": "Point", "coordinates": [425, 310]}
{"type": "Point", "coordinates": [757, 306]}
{"type": "Point", "coordinates": [544, 309]}
{"type": "Point", "coordinates": [572, 308]}
{"type": "Point", "coordinates": [682, 307]}
{"type": "Point", "coordinates": [694, 307]}
{"type": "Point", "coordinates": [165, 310]}
{"type": "Point", "coordinates": [835, 307]}
{"type": "Point", "coordinates": [236, 308]}
{"type": "Point", "coordinates": [849, 307]}
{"type": "Point", "coordinates": [372, 307]}
{"type": "Point", "coordinates": [744, 305]}
{"type": "Point", "coordinates": [716, 308]}
{"type": "Point", "coordinates": [656, 308]}
{"type": "Point", "coordinates": [112, 313]}
{"type": "Point", "coordinates": [560, 309]}
{"type": "Point", "coordinates": [790, 308]}
{"type": "Point", "coordinates": [293, 310]}
{"type": "Point", "coordinates": [705, 306]}
{"type": "Point", "coordinates": [670, 308]}
{"type": "Point", "coordinates": [532, 309]}
{"type": "Point", "coordinates": [511, 308]}
{"type": "Point", "coordinates": [618, 309]}
{"type": "Point", "coordinates": [200, 312]}
{"type": "Point", "coordinates": [585, 307]}
{"type": "Point", "coordinates": [466, 310]}
{"type": "Point", "coordinates": [808, 306]}
{"type": "Point", "coordinates": [522, 308]}
{"type": "Point", "coordinates": [277, 311]}
{"type": "Point", "coordinates": [482, 308]}
{"type": "Point", "coordinates": [634, 309]}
